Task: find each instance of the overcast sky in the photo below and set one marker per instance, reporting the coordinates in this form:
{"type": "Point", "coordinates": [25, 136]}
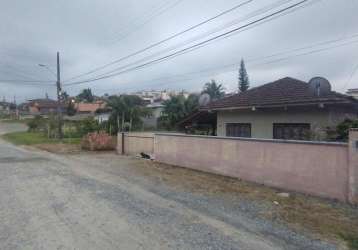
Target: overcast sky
{"type": "Point", "coordinates": [90, 33]}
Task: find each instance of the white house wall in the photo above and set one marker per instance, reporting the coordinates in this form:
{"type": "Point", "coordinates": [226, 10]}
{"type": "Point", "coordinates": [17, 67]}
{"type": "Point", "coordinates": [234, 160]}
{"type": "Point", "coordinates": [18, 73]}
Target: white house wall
{"type": "Point", "coordinates": [262, 121]}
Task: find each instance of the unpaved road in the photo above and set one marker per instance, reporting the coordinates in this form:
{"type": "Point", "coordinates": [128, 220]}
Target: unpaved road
{"type": "Point", "coordinates": [90, 201]}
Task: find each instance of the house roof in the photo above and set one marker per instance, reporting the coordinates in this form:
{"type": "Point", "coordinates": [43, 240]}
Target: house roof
{"type": "Point", "coordinates": [89, 107]}
{"type": "Point", "coordinates": [283, 92]}
{"type": "Point", "coordinates": [43, 103]}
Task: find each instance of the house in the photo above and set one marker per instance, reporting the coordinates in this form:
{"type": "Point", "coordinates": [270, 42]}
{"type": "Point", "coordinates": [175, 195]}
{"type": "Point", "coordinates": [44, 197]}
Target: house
{"type": "Point", "coordinates": [43, 106]}
{"type": "Point", "coordinates": [353, 93]}
{"type": "Point", "coordinates": [155, 96]}
{"type": "Point", "coordinates": [7, 107]}
{"type": "Point", "coordinates": [284, 109]}
{"type": "Point", "coordinates": [89, 108]}
{"type": "Point", "coordinates": [156, 109]}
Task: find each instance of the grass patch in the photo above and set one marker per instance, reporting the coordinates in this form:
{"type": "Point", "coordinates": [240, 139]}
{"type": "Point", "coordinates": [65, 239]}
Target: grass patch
{"type": "Point", "coordinates": [352, 240]}
{"type": "Point", "coordinates": [33, 138]}
{"type": "Point", "coordinates": [24, 121]}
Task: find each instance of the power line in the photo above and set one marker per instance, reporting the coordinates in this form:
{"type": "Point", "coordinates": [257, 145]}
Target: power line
{"type": "Point", "coordinates": [215, 70]}
{"type": "Point", "coordinates": [355, 69]}
{"type": "Point", "coordinates": [198, 47]}
{"type": "Point", "coordinates": [144, 14]}
{"type": "Point", "coordinates": [164, 40]}
{"type": "Point", "coordinates": [190, 48]}
{"type": "Point", "coordinates": [17, 71]}
{"type": "Point", "coordinates": [155, 15]}
{"type": "Point", "coordinates": [17, 83]}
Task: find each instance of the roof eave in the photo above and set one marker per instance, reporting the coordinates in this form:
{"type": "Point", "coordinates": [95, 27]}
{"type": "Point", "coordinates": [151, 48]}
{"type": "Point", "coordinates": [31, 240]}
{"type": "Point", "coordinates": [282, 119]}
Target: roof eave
{"type": "Point", "coordinates": [276, 105]}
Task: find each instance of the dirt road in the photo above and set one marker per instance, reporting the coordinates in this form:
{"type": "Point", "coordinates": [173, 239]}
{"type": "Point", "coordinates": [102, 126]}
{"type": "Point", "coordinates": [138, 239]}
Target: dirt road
{"type": "Point", "coordinates": [90, 201]}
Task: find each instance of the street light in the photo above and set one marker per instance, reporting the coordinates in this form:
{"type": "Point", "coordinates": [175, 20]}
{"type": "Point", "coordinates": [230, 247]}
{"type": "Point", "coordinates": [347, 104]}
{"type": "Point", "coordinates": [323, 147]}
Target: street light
{"type": "Point", "coordinates": [48, 68]}
{"type": "Point", "coordinates": [59, 93]}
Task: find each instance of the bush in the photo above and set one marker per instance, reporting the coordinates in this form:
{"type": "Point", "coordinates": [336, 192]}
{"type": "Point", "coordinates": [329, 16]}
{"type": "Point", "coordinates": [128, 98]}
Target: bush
{"type": "Point", "coordinates": [98, 141]}
{"type": "Point", "coordinates": [88, 125]}
{"type": "Point", "coordinates": [37, 124]}
{"type": "Point", "coordinates": [341, 132]}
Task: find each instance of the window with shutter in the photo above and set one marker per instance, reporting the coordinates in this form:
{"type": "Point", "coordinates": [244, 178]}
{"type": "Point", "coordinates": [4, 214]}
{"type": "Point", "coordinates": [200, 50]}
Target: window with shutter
{"type": "Point", "coordinates": [238, 129]}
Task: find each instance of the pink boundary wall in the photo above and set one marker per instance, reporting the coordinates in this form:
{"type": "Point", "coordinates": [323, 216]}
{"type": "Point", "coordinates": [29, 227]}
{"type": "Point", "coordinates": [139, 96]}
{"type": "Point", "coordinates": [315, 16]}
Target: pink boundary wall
{"type": "Point", "coordinates": [318, 168]}
{"type": "Point", "coordinates": [321, 169]}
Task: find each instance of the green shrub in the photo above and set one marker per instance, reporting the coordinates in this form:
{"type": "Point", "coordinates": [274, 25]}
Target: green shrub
{"type": "Point", "coordinates": [37, 124]}
{"type": "Point", "coordinates": [342, 129]}
{"type": "Point", "coordinates": [88, 125]}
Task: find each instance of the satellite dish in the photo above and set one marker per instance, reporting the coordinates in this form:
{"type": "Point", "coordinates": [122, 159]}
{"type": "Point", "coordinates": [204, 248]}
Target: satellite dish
{"type": "Point", "coordinates": [319, 86]}
{"type": "Point", "coordinates": [204, 99]}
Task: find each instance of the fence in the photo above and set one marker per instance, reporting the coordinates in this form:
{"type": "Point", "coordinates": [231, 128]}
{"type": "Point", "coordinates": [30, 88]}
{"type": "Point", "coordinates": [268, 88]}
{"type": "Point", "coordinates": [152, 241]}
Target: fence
{"type": "Point", "coordinates": [317, 168]}
{"type": "Point", "coordinates": [135, 143]}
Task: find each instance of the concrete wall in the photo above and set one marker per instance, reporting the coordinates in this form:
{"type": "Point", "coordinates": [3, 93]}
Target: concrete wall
{"type": "Point", "coordinates": [353, 166]}
{"type": "Point", "coordinates": [262, 121]}
{"type": "Point", "coordinates": [135, 143]}
{"type": "Point", "coordinates": [320, 169]}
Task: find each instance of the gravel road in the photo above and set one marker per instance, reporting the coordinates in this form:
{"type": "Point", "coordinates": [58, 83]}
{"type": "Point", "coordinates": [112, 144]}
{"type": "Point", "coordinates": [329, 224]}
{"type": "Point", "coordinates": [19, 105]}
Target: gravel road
{"type": "Point", "coordinates": [96, 201]}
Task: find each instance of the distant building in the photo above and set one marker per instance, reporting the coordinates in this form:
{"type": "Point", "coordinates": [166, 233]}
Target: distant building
{"type": "Point", "coordinates": [157, 96]}
{"type": "Point", "coordinates": [156, 111]}
{"type": "Point", "coordinates": [353, 93]}
{"type": "Point", "coordinates": [7, 107]}
{"type": "Point", "coordinates": [89, 108]}
{"type": "Point", "coordinates": [42, 106]}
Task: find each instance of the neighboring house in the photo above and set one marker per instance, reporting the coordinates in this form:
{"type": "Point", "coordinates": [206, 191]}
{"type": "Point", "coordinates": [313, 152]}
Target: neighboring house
{"type": "Point", "coordinates": [102, 117]}
{"type": "Point", "coordinates": [89, 108]}
{"type": "Point", "coordinates": [7, 107]}
{"type": "Point", "coordinates": [284, 109]}
{"type": "Point", "coordinates": [353, 93]}
{"type": "Point", "coordinates": [43, 106]}
{"type": "Point", "coordinates": [156, 111]}
{"type": "Point", "coordinates": [155, 96]}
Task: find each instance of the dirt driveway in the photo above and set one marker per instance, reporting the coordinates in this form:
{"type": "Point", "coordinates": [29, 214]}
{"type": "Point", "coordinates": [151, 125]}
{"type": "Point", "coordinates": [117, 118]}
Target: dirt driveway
{"type": "Point", "coordinates": [106, 201]}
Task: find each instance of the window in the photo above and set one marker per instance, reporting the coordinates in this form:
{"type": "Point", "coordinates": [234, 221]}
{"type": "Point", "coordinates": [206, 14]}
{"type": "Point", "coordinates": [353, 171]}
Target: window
{"type": "Point", "coordinates": [238, 129]}
{"type": "Point", "coordinates": [291, 131]}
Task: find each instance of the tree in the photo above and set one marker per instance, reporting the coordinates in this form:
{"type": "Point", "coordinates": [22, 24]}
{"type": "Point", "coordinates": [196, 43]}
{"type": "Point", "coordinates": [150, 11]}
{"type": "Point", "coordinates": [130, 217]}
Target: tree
{"type": "Point", "coordinates": [191, 103]}
{"type": "Point", "coordinates": [126, 110]}
{"type": "Point", "coordinates": [177, 108]}
{"type": "Point", "coordinates": [173, 111]}
{"type": "Point", "coordinates": [85, 96]}
{"type": "Point", "coordinates": [214, 90]}
{"type": "Point", "coordinates": [342, 129]}
{"type": "Point", "coordinates": [244, 82]}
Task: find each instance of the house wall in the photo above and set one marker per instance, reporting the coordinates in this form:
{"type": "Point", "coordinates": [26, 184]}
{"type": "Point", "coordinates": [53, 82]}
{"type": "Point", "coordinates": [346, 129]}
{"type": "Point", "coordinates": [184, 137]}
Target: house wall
{"type": "Point", "coordinates": [262, 121]}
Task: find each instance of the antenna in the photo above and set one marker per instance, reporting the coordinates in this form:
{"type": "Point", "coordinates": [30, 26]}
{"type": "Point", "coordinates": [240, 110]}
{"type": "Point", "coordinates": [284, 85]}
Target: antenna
{"type": "Point", "coordinates": [319, 86]}
{"type": "Point", "coordinates": [204, 99]}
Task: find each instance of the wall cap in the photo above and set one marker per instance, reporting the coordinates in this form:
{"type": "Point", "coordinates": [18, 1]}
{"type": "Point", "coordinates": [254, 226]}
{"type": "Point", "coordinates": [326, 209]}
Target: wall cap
{"type": "Point", "coordinates": [342, 144]}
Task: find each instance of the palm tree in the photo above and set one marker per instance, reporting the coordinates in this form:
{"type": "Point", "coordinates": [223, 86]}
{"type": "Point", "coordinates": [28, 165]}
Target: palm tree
{"type": "Point", "coordinates": [127, 108]}
{"type": "Point", "coordinates": [174, 110]}
{"type": "Point", "coordinates": [214, 90]}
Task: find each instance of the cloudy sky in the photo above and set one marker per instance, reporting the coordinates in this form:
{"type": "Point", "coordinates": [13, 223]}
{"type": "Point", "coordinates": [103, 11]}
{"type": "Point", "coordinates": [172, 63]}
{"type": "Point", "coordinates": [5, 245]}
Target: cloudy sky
{"type": "Point", "coordinates": [318, 39]}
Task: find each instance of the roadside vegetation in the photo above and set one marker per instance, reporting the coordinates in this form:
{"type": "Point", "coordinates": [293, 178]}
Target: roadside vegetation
{"type": "Point", "coordinates": [33, 138]}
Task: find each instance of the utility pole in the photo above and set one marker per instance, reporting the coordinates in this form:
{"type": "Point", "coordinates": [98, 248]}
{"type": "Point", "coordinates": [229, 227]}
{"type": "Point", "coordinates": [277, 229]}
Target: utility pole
{"type": "Point", "coordinates": [59, 98]}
